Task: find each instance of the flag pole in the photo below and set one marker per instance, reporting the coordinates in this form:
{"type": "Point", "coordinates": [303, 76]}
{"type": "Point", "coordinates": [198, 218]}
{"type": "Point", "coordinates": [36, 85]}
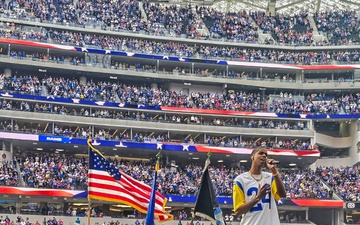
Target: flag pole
{"type": "Point", "coordinates": [89, 211]}
{"type": "Point", "coordinates": [88, 196]}
{"type": "Point", "coordinates": [150, 213]}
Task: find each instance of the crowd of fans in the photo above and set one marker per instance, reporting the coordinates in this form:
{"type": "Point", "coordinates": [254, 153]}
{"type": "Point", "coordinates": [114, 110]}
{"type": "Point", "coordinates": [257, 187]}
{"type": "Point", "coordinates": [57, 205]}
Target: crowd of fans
{"type": "Point", "coordinates": [121, 15]}
{"type": "Point", "coordinates": [8, 174]}
{"type": "Point", "coordinates": [344, 181]}
{"type": "Point", "coordinates": [341, 27]}
{"type": "Point", "coordinates": [63, 172]}
{"type": "Point", "coordinates": [236, 26]}
{"type": "Point", "coordinates": [289, 30]}
{"type": "Point", "coordinates": [173, 20]}
{"type": "Point", "coordinates": [55, 172]}
{"type": "Point", "coordinates": [108, 134]}
{"type": "Point", "coordinates": [176, 48]}
{"type": "Point", "coordinates": [59, 171]}
{"type": "Point", "coordinates": [166, 19]}
{"type": "Point", "coordinates": [305, 184]}
{"type": "Point", "coordinates": [130, 94]}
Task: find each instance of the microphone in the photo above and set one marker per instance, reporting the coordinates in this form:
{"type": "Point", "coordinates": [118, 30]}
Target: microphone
{"type": "Point", "coordinates": [274, 162]}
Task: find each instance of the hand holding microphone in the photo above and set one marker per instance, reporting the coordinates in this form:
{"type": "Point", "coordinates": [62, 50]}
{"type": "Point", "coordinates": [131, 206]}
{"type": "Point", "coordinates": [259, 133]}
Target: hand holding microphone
{"type": "Point", "coordinates": [272, 162]}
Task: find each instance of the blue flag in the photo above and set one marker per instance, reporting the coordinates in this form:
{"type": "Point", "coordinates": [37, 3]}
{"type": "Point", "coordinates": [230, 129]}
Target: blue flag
{"type": "Point", "coordinates": [151, 208]}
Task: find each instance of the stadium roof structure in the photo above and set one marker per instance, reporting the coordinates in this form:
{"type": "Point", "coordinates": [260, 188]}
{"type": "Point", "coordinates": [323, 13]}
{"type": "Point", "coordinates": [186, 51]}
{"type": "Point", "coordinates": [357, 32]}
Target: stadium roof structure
{"type": "Point", "coordinates": [286, 7]}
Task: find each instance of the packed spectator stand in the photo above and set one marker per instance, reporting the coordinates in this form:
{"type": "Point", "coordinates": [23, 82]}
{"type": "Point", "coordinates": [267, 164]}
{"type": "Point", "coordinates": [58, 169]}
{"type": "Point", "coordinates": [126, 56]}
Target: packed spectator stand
{"type": "Point", "coordinates": [58, 171]}
{"type": "Point", "coordinates": [204, 50]}
{"type": "Point", "coordinates": [61, 172]}
{"type": "Point", "coordinates": [186, 21]}
{"type": "Point", "coordinates": [58, 86]}
{"type": "Point", "coordinates": [341, 27]}
{"type": "Point", "coordinates": [238, 101]}
{"type": "Point", "coordinates": [343, 180]}
{"type": "Point", "coordinates": [300, 189]}
{"type": "Point", "coordinates": [286, 30]}
{"type": "Point", "coordinates": [236, 26]}
{"type": "Point", "coordinates": [143, 136]}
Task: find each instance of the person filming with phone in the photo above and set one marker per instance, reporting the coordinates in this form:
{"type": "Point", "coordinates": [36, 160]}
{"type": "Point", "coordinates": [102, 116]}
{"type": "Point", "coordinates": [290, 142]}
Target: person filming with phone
{"type": "Point", "coordinates": [255, 192]}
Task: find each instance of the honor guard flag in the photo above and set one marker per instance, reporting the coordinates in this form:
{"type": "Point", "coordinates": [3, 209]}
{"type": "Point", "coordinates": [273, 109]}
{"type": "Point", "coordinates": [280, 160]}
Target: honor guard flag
{"type": "Point", "coordinates": [207, 205]}
{"type": "Point", "coordinates": [108, 183]}
{"type": "Point", "coordinates": [150, 214]}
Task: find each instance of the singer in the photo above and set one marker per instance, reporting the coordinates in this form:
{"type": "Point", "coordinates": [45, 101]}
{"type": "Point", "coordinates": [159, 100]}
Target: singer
{"type": "Point", "coordinates": [255, 192]}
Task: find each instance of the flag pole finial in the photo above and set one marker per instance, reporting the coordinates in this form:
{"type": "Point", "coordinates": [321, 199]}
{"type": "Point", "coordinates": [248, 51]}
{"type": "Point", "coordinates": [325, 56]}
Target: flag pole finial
{"type": "Point", "coordinates": [207, 162]}
{"type": "Point", "coordinates": [158, 157]}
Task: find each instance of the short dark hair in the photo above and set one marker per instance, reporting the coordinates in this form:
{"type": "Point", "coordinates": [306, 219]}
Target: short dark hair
{"type": "Point", "coordinates": [255, 150]}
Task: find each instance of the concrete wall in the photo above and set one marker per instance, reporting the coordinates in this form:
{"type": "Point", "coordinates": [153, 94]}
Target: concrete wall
{"type": "Point", "coordinates": [351, 142]}
{"type": "Point", "coordinates": [333, 142]}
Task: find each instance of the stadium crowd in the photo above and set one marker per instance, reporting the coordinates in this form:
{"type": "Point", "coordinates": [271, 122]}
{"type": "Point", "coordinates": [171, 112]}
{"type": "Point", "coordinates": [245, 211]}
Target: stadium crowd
{"type": "Point", "coordinates": [141, 116]}
{"type": "Point", "coordinates": [176, 48]}
{"type": "Point", "coordinates": [172, 19]}
{"type": "Point", "coordinates": [305, 184]}
{"type": "Point", "coordinates": [130, 94]}
{"type": "Point", "coordinates": [341, 27]}
{"type": "Point", "coordinates": [185, 21]}
{"type": "Point", "coordinates": [235, 26]}
{"type": "Point", "coordinates": [63, 172]}
{"type": "Point", "coordinates": [343, 180]}
{"type": "Point", "coordinates": [8, 174]}
{"type": "Point", "coordinates": [294, 30]}
{"type": "Point", "coordinates": [59, 171]}
{"type": "Point", "coordinates": [142, 136]}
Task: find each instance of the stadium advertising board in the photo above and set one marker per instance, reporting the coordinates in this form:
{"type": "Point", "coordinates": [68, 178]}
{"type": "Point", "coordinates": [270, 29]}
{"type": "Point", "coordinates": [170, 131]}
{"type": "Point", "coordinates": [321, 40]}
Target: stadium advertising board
{"type": "Point", "coordinates": [352, 205]}
{"type": "Point", "coordinates": [58, 139]}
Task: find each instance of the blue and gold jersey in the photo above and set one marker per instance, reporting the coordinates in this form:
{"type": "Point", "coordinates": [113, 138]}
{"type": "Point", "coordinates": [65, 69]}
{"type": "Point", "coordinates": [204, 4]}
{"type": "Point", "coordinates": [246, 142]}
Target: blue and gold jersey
{"type": "Point", "coordinates": [265, 211]}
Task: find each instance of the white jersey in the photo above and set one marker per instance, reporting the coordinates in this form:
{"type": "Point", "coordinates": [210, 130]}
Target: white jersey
{"type": "Point", "coordinates": [265, 211]}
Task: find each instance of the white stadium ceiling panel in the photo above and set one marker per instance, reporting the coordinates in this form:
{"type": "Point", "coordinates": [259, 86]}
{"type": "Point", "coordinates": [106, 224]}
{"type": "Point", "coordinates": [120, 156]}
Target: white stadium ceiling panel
{"type": "Point", "coordinates": [235, 6]}
{"type": "Point", "coordinates": [291, 7]}
{"type": "Point", "coordinates": [339, 5]}
{"type": "Point", "coordinates": [287, 7]}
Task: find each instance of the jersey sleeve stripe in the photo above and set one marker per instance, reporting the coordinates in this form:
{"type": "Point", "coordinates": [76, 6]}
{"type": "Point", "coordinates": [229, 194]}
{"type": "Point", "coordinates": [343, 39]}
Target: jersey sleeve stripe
{"type": "Point", "coordinates": [240, 186]}
{"type": "Point", "coordinates": [274, 190]}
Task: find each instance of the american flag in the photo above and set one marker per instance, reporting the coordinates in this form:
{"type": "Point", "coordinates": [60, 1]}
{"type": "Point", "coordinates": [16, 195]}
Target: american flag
{"type": "Point", "coordinates": [107, 183]}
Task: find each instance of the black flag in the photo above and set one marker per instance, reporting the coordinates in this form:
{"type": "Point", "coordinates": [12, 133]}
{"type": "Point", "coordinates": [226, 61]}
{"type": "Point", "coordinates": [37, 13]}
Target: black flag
{"type": "Point", "coordinates": [207, 205]}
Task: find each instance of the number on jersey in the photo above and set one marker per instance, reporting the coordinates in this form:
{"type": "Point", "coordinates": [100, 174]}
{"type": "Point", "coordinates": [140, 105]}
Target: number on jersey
{"type": "Point", "coordinates": [259, 206]}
